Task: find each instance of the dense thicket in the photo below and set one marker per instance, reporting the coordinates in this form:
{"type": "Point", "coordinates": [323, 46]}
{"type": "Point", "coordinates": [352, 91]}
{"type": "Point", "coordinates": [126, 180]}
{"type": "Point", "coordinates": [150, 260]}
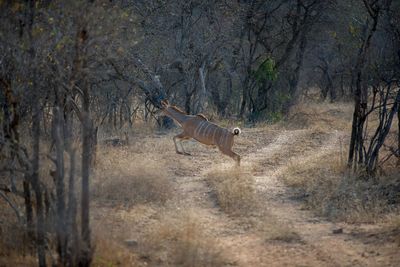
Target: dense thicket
{"type": "Point", "coordinates": [70, 67]}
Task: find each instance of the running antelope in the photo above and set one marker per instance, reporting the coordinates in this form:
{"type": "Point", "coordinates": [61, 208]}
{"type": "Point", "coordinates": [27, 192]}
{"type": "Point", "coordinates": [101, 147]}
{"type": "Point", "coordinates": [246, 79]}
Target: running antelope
{"type": "Point", "coordinates": [200, 129]}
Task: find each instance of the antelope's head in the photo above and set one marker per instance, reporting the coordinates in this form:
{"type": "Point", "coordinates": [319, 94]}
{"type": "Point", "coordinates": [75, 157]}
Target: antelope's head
{"type": "Point", "coordinates": [165, 104]}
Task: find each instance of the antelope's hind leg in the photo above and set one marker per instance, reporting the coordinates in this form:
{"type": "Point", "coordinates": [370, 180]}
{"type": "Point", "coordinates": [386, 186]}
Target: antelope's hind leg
{"type": "Point", "coordinates": [231, 154]}
{"type": "Point", "coordinates": [181, 136]}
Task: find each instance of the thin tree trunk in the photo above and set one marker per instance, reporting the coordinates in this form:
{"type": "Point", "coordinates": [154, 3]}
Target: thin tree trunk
{"type": "Point", "coordinates": [72, 228]}
{"type": "Point", "coordinates": [86, 155]}
{"type": "Point", "coordinates": [87, 131]}
{"type": "Point", "coordinates": [373, 157]}
{"type": "Point", "coordinates": [36, 184]}
{"type": "Point", "coordinates": [398, 136]}
{"type": "Point", "coordinates": [40, 227]}
{"type": "Point", "coordinates": [203, 92]}
{"type": "Point", "coordinates": [121, 115]}
{"type": "Point", "coordinates": [58, 125]}
{"type": "Point", "coordinates": [354, 134]}
{"type": "Point", "coordinates": [245, 92]}
{"type": "Point", "coordinates": [294, 82]}
{"type": "Point", "coordinates": [72, 244]}
{"type": "Point", "coordinates": [360, 96]}
{"type": "Point", "coordinates": [28, 206]}
{"type": "Point", "coordinates": [188, 97]}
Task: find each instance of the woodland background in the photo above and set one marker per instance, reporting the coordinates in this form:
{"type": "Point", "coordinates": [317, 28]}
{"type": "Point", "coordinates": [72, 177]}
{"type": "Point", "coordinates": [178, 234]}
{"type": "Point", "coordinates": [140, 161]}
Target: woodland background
{"type": "Point", "coordinates": [75, 72]}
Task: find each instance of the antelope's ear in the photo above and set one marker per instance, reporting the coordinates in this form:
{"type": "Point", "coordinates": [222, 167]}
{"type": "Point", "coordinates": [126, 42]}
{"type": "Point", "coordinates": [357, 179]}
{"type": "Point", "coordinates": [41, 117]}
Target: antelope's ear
{"type": "Point", "coordinates": [164, 103]}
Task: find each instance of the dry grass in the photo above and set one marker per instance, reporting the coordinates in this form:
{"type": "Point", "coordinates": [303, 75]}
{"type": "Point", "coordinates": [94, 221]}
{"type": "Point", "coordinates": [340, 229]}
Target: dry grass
{"type": "Point", "coordinates": [179, 239]}
{"type": "Point", "coordinates": [326, 116]}
{"type": "Point", "coordinates": [234, 190]}
{"type": "Point", "coordinates": [15, 247]}
{"type": "Point", "coordinates": [322, 178]}
{"type": "Point", "coordinates": [15, 258]}
{"type": "Point", "coordinates": [110, 253]}
{"type": "Point", "coordinates": [394, 228]}
{"type": "Point", "coordinates": [124, 177]}
{"type": "Point", "coordinates": [327, 188]}
{"type": "Point", "coordinates": [273, 229]}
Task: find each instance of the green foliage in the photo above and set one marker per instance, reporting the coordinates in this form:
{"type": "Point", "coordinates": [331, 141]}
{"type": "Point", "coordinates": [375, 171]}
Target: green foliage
{"type": "Point", "coordinates": [354, 31]}
{"type": "Point", "coordinates": [334, 34]}
{"type": "Point", "coordinates": [267, 71]}
{"type": "Point", "coordinates": [283, 97]}
{"type": "Point", "coordinates": [273, 117]}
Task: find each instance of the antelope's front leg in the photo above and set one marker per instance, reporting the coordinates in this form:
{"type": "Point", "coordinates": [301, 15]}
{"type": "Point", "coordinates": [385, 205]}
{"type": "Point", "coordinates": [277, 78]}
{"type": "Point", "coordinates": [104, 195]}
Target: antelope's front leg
{"type": "Point", "coordinates": [176, 146]}
{"type": "Point", "coordinates": [184, 152]}
{"type": "Point", "coordinates": [180, 137]}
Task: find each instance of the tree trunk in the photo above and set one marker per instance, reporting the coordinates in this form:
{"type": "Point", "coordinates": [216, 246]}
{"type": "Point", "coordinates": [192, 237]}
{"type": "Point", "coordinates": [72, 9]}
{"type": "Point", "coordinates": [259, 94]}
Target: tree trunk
{"type": "Point", "coordinates": [40, 227]}
{"type": "Point", "coordinates": [203, 92]}
{"type": "Point", "coordinates": [35, 181]}
{"type": "Point", "coordinates": [188, 101]}
{"type": "Point", "coordinates": [360, 96]}
{"type": "Point", "coordinates": [245, 93]}
{"type": "Point", "coordinates": [87, 132]}
{"type": "Point", "coordinates": [58, 126]}
{"type": "Point", "coordinates": [398, 136]}
{"type": "Point", "coordinates": [294, 82]}
{"type": "Point", "coordinates": [86, 160]}
{"type": "Point", "coordinates": [72, 228]}
{"type": "Point", "coordinates": [28, 206]}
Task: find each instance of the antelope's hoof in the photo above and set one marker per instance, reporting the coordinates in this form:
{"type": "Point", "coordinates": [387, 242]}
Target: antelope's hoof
{"type": "Point", "coordinates": [180, 153]}
{"type": "Point", "coordinates": [187, 154]}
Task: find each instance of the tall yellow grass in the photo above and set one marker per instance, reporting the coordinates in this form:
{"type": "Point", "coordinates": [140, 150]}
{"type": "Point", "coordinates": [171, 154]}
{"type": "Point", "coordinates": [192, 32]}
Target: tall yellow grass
{"type": "Point", "coordinates": [125, 177]}
{"type": "Point", "coordinates": [180, 239]}
{"type": "Point", "coordinates": [234, 189]}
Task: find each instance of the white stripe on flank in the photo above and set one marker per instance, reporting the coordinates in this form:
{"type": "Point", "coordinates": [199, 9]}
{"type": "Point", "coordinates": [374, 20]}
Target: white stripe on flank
{"type": "Point", "coordinates": [213, 138]}
{"type": "Point", "coordinates": [195, 131]}
{"type": "Point", "coordinates": [203, 131]}
{"type": "Point", "coordinates": [221, 141]}
{"type": "Point", "coordinates": [207, 134]}
{"type": "Point", "coordinates": [206, 130]}
{"type": "Point", "coordinates": [225, 139]}
{"type": "Point", "coordinates": [228, 135]}
{"type": "Point", "coordinates": [199, 129]}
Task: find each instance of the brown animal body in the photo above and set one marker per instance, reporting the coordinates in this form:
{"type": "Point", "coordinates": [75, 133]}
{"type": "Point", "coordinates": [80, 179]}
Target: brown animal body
{"type": "Point", "coordinates": [200, 129]}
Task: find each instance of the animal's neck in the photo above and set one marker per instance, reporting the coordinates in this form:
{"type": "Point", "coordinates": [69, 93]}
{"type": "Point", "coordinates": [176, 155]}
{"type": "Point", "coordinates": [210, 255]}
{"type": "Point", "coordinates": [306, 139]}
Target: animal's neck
{"type": "Point", "coordinates": [176, 115]}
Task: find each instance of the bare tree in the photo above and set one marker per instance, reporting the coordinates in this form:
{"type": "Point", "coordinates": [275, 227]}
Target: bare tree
{"type": "Point", "coordinates": [364, 149]}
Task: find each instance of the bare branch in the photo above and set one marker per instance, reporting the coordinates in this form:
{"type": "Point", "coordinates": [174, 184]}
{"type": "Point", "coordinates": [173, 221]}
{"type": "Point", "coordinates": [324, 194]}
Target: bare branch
{"type": "Point", "coordinates": [12, 205]}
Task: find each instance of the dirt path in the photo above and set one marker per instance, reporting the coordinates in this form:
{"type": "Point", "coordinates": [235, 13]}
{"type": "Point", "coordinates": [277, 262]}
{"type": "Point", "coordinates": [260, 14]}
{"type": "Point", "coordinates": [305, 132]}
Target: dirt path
{"type": "Point", "coordinates": [320, 244]}
{"type": "Point", "coordinates": [266, 154]}
{"type": "Point", "coordinates": [317, 245]}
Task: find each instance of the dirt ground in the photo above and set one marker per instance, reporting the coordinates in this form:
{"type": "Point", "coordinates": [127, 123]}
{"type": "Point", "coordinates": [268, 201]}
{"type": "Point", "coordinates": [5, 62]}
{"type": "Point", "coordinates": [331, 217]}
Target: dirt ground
{"type": "Point", "coordinates": [265, 152]}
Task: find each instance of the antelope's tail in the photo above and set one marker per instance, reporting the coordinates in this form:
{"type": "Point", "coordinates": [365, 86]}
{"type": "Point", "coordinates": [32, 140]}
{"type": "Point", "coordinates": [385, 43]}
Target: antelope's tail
{"type": "Point", "coordinates": [236, 131]}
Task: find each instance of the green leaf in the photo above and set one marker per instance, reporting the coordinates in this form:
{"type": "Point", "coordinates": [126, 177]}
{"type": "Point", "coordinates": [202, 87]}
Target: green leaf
{"type": "Point", "coordinates": [266, 71]}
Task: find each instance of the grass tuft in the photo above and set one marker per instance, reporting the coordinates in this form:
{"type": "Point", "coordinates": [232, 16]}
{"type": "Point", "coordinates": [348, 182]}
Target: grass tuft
{"type": "Point", "coordinates": [110, 253]}
{"type": "Point", "coordinates": [127, 179]}
{"type": "Point", "coordinates": [179, 239]}
{"type": "Point", "coordinates": [234, 190]}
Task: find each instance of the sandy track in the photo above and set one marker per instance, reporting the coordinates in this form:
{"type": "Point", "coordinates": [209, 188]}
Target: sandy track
{"type": "Point", "coordinates": [318, 246]}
